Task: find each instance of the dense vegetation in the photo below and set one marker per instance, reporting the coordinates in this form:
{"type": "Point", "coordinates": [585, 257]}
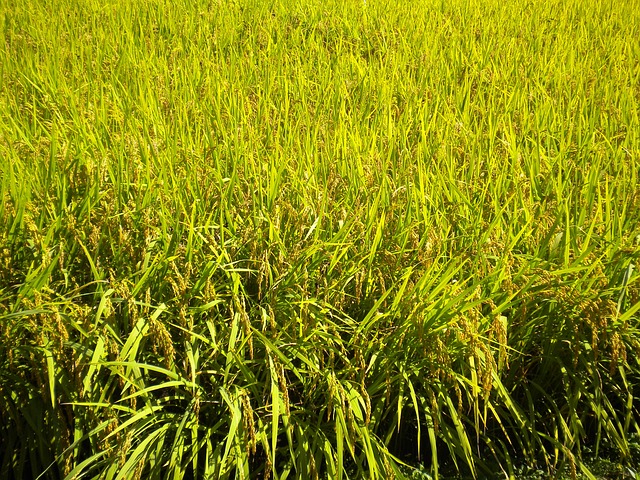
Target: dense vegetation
{"type": "Point", "coordinates": [318, 239]}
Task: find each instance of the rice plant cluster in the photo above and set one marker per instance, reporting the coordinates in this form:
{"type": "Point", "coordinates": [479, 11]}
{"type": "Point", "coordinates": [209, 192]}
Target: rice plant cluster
{"type": "Point", "coordinates": [318, 239]}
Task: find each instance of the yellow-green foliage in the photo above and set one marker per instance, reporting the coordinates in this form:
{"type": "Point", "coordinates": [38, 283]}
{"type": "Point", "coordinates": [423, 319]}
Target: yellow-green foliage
{"type": "Point", "coordinates": [317, 239]}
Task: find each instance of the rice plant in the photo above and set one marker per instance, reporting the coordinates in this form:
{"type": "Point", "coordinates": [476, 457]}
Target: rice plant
{"type": "Point", "coordinates": [337, 239]}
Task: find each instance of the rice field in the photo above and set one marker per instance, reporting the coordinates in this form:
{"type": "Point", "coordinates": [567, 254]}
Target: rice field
{"type": "Point", "coordinates": [267, 239]}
